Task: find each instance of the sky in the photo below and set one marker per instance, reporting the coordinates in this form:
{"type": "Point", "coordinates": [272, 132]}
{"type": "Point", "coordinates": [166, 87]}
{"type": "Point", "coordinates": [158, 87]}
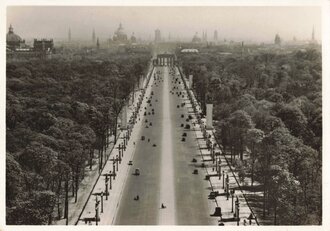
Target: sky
{"type": "Point", "coordinates": [248, 23]}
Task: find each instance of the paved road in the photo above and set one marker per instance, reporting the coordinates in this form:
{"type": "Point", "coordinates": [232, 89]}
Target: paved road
{"type": "Point", "coordinates": [165, 164]}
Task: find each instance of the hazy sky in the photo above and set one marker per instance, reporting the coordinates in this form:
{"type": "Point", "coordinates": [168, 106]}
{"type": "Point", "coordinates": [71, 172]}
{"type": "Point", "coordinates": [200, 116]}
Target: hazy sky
{"type": "Point", "coordinates": [238, 23]}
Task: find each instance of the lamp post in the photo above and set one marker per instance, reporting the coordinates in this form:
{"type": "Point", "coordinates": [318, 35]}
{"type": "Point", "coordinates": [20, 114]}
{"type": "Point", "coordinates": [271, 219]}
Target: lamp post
{"type": "Point", "coordinates": [114, 177]}
{"type": "Point", "coordinates": [97, 205]}
{"type": "Point", "coordinates": [117, 162]}
{"type": "Point", "coordinates": [119, 148]}
{"type": "Point", "coordinates": [219, 162]}
{"type": "Point", "coordinates": [232, 192]}
{"type": "Point", "coordinates": [237, 210]}
{"type": "Point", "coordinates": [223, 179]}
{"type": "Point", "coordinates": [106, 187]}
{"type": "Point", "coordinates": [102, 202]}
{"type": "Point", "coordinates": [212, 150]}
{"type": "Point", "coordinates": [114, 171]}
{"type": "Point", "coordinates": [227, 186]}
{"type": "Point", "coordinates": [216, 164]}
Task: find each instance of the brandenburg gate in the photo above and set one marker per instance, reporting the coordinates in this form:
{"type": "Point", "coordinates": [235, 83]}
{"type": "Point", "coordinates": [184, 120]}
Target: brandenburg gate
{"type": "Point", "coordinates": [164, 60]}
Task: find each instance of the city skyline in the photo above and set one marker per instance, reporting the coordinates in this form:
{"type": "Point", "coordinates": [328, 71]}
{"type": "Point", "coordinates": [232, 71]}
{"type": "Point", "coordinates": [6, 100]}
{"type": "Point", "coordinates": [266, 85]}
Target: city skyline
{"type": "Point", "coordinates": [255, 24]}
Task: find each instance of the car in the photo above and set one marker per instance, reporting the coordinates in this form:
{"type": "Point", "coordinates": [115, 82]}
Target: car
{"type": "Point", "coordinates": [143, 137]}
{"type": "Point", "coordinates": [137, 171]}
{"type": "Point", "coordinates": [130, 162]}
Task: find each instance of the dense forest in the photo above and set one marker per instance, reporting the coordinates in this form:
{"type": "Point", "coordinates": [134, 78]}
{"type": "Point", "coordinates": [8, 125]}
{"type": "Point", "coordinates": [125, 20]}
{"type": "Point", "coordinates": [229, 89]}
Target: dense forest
{"type": "Point", "coordinates": [268, 113]}
{"type": "Point", "coordinates": [58, 112]}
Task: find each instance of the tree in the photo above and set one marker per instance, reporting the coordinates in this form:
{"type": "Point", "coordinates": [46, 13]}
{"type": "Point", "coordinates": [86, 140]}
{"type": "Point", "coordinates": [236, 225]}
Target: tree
{"type": "Point", "coordinates": [240, 122]}
{"type": "Point", "coordinates": [293, 119]}
{"type": "Point", "coordinates": [36, 210]}
{"type": "Point", "coordinates": [254, 139]}
{"type": "Point", "coordinates": [14, 178]}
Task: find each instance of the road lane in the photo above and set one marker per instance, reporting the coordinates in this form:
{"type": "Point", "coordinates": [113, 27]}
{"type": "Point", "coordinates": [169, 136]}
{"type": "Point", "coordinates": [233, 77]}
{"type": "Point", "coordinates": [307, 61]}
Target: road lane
{"type": "Point", "coordinates": [147, 159]}
{"type": "Point", "coordinates": [192, 204]}
{"type": "Point", "coordinates": [167, 194]}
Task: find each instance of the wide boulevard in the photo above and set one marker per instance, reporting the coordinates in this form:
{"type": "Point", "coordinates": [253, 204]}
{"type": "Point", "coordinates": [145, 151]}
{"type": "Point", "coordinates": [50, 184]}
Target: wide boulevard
{"type": "Point", "coordinates": [163, 155]}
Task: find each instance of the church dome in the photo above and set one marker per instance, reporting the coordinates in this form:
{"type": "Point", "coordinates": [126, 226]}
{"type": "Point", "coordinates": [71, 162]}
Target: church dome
{"type": "Point", "coordinates": [196, 39]}
{"type": "Point", "coordinates": [120, 30]}
{"type": "Point", "coordinates": [120, 35]}
{"type": "Point", "coordinates": [12, 37]}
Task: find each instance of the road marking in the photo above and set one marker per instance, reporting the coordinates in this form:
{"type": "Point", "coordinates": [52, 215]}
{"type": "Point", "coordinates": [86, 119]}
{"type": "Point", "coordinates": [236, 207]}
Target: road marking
{"type": "Point", "coordinates": [167, 195]}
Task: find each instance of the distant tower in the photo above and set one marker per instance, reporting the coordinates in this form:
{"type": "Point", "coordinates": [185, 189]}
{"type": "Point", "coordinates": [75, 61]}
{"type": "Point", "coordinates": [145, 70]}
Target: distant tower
{"type": "Point", "coordinates": [93, 36]}
{"type": "Point", "coordinates": [215, 37]}
{"type": "Point", "coordinates": [169, 36]}
{"type": "Point", "coordinates": [11, 29]}
{"type": "Point", "coordinates": [242, 48]}
{"type": "Point", "coordinates": [157, 36]}
{"type": "Point", "coordinates": [277, 40]}
{"type": "Point", "coordinates": [204, 37]}
{"type": "Point", "coordinates": [69, 36]}
{"type": "Point", "coordinates": [97, 43]}
{"type": "Point", "coordinates": [313, 34]}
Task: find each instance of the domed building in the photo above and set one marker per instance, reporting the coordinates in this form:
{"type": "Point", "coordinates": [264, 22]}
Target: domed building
{"type": "Point", "coordinates": [196, 39]}
{"type": "Point", "coordinates": [119, 35]}
{"type": "Point", "coordinates": [13, 40]}
{"type": "Point", "coordinates": [17, 49]}
{"type": "Point", "coordinates": [133, 38]}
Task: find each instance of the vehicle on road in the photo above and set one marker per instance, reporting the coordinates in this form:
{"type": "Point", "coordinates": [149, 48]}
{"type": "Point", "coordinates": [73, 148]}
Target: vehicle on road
{"type": "Point", "coordinates": [137, 172]}
{"type": "Point", "coordinates": [130, 162]}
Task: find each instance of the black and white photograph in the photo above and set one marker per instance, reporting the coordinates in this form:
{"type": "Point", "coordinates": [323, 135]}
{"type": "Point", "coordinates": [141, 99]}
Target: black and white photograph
{"type": "Point", "coordinates": [156, 114]}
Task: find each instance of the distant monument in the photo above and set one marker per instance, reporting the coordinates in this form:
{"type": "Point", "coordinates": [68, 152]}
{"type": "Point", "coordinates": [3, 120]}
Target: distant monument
{"type": "Point", "coordinates": [313, 41]}
{"type": "Point", "coordinates": [69, 35]}
{"type": "Point", "coordinates": [93, 36]}
{"type": "Point", "coordinates": [277, 40]}
{"type": "Point", "coordinates": [157, 36]}
{"type": "Point", "coordinates": [97, 43]}
{"type": "Point", "coordinates": [196, 38]}
{"type": "Point", "coordinates": [13, 40]}
{"type": "Point", "coordinates": [204, 38]}
{"type": "Point", "coordinates": [119, 35]}
{"type": "Point", "coordinates": [215, 37]}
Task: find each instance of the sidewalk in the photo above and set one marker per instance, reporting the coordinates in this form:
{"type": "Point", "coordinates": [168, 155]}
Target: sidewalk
{"type": "Point", "coordinates": [110, 205]}
{"type": "Point", "coordinates": [218, 184]}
